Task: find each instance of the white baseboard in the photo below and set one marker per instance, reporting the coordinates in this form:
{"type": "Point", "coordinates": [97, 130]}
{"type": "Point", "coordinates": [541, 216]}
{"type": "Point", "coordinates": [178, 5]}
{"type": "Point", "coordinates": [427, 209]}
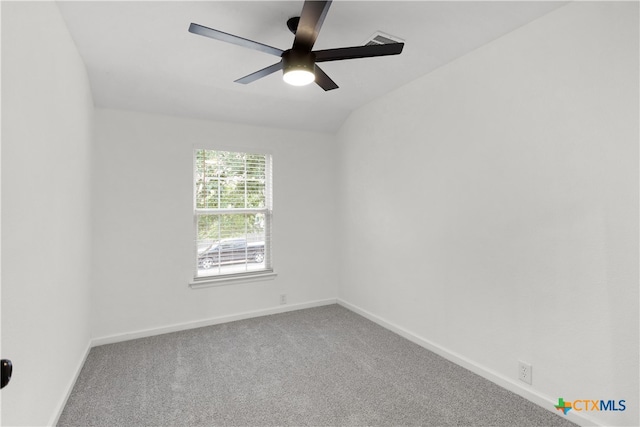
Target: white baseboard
{"type": "Point", "coordinates": [207, 322]}
{"type": "Point", "coordinates": [546, 402]}
{"type": "Point", "coordinates": [72, 383]}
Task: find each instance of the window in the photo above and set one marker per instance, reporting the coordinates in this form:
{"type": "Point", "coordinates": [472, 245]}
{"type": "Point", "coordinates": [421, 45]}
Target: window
{"type": "Point", "coordinates": [232, 214]}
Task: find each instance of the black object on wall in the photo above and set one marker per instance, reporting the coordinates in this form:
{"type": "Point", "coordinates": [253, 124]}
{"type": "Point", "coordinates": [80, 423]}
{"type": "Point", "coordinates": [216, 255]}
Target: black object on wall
{"type": "Point", "coordinates": [7, 369]}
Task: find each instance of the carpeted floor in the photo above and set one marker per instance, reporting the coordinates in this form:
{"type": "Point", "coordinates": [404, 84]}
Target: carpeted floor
{"type": "Point", "coordinates": [324, 366]}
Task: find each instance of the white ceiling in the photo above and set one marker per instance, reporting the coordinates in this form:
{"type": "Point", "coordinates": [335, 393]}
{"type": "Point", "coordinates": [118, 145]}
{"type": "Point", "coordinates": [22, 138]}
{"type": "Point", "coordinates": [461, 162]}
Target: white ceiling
{"type": "Point", "coordinates": [140, 56]}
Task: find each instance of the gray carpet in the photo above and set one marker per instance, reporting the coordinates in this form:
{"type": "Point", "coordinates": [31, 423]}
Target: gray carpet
{"type": "Point", "coordinates": [324, 366]}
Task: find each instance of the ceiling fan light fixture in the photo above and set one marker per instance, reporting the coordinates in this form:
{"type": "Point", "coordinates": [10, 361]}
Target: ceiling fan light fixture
{"type": "Point", "coordinates": [299, 77]}
{"type": "Point", "coordinates": [298, 68]}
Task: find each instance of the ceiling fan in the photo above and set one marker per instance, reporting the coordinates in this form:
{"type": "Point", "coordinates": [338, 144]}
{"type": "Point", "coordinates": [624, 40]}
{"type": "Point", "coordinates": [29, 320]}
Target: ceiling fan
{"type": "Point", "coordinates": [299, 63]}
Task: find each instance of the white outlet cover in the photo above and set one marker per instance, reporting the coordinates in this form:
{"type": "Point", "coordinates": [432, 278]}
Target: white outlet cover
{"type": "Point", "coordinates": [524, 372]}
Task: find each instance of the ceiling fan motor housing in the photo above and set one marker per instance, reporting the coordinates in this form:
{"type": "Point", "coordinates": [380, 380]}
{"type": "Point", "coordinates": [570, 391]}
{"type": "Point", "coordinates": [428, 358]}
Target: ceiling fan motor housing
{"type": "Point", "coordinates": [297, 60]}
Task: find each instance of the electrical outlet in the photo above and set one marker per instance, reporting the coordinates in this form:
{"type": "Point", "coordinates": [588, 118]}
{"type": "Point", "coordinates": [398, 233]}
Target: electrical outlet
{"type": "Point", "coordinates": [283, 299]}
{"type": "Point", "coordinates": [524, 372]}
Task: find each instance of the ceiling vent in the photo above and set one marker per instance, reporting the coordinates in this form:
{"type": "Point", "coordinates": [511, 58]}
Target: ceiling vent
{"type": "Point", "coordinates": [382, 38]}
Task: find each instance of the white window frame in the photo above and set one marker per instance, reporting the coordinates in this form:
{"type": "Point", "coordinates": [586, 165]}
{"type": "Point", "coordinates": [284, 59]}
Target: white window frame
{"type": "Point", "coordinates": [268, 272]}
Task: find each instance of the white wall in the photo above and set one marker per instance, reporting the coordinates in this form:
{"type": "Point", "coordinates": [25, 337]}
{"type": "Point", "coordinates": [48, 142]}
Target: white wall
{"type": "Point", "coordinates": [491, 207]}
{"type": "Point", "coordinates": [46, 132]}
{"type": "Point", "coordinates": [143, 221]}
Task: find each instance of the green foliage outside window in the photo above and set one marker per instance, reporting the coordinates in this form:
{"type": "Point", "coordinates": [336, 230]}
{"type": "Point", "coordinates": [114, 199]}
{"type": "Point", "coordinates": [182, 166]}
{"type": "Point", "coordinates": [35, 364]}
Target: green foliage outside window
{"type": "Point", "coordinates": [230, 180]}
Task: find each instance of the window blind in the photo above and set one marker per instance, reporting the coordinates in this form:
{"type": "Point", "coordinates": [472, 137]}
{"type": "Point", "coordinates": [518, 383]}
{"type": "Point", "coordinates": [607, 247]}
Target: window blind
{"type": "Point", "coordinates": [232, 212]}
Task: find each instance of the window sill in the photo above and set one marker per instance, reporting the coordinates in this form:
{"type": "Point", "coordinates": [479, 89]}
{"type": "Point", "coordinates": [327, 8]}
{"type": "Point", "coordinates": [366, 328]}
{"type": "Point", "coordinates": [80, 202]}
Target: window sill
{"type": "Point", "coordinates": [232, 279]}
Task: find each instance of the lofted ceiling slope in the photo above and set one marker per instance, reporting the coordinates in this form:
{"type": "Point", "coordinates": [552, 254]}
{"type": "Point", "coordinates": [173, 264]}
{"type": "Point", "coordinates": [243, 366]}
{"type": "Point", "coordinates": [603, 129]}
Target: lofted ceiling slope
{"type": "Point", "coordinates": [140, 56]}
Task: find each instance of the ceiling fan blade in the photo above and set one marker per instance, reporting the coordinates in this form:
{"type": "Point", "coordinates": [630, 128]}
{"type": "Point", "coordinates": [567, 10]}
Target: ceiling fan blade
{"type": "Point", "coordinates": [358, 52]}
{"type": "Point", "coordinates": [311, 19]}
{"type": "Point", "coordinates": [323, 80]}
{"type": "Point", "coordinates": [260, 74]}
{"type": "Point", "coordinates": [230, 38]}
